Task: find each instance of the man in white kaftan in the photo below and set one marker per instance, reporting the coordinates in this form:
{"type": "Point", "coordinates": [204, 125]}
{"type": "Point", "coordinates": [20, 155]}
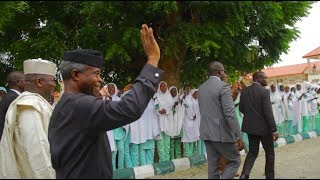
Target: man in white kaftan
{"type": "Point", "coordinates": [24, 147]}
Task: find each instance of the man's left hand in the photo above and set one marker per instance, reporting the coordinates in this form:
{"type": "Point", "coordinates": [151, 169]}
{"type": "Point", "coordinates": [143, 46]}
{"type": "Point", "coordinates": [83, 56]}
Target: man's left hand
{"type": "Point", "coordinates": [240, 145]}
{"type": "Point", "coordinates": [275, 136]}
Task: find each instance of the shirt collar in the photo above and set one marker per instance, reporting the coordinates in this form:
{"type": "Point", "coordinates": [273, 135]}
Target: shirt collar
{"type": "Point", "coordinates": [16, 91]}
{"type": "Point", "coordinates": [216, 77]}
{"type": "Point", "coordinates": [256, 83]}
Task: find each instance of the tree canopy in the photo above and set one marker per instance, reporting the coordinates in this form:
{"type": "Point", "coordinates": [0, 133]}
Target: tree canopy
{"type": "Point", "coordinates": [245, 36]}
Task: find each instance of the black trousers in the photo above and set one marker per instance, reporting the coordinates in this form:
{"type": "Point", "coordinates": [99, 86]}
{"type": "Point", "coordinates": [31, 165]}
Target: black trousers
{"type": "Point", "coordinates": [267, 143]}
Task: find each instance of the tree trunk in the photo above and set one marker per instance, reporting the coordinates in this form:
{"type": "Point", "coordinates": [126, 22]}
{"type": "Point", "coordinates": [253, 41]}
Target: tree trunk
{"type": "Point", "coordinates": [172, 64]}
{"type": "Point", "coordinates": [172, 68]}
{"type": "Point", "coordinates": [171, 76]}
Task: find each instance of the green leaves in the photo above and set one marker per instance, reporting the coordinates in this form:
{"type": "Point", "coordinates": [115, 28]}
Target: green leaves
{"type": "Point", "coordinates": [131, 38]}
{"type": "Point", "coordinates": [164, 7]}
{"type": "Point", "coordinates": [118, 54]}
{"type": "Point", "coordinates": [244, 36]}
{"type": "Point", "coordinates": [8, 11]}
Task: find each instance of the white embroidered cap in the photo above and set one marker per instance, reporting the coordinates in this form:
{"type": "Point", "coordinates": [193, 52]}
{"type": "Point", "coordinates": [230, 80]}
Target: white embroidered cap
{"type": "Point", "coordinates": [39, 66]}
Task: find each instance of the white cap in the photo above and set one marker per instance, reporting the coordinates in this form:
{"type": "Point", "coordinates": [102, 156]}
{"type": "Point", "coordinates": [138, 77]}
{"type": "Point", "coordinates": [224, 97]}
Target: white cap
{"type": "Point", "coordinates": [39, 66]}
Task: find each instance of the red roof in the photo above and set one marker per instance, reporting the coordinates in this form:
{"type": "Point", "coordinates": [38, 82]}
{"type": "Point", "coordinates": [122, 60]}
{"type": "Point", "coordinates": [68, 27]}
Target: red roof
{"type": "Point", "coordinates": [290, 70]}
{"type": "Point", "coordinates": [313, 54]}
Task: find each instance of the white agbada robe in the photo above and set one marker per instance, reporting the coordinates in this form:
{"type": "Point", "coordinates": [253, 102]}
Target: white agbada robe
{"type": "Point", "coordinates": [178, 116]}
{"type": "Point", "coordinates": [24, 146]}
{"type": "Point", "coordinates": [189, 124]}
{"type": "Point", "coordinates": [277, 107]}
{"type": "Point", "coordinates": [146, 127]}
{"type": "Point", "coordinates": [164, 101]}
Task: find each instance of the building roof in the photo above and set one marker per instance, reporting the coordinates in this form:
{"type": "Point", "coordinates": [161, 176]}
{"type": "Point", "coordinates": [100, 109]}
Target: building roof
{"type": "Point", "coordinates": [314, 54]}
{"type": "Point", "coordinates": [290, 70]}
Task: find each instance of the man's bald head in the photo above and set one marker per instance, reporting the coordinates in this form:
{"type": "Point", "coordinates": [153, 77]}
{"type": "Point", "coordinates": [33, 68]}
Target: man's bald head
{"type": "Point", "coordinates": [16, 80]}
{"type": "Point", "coordinates": [260, 77]}
{"type": "Point", "coordinates": [216, 68]}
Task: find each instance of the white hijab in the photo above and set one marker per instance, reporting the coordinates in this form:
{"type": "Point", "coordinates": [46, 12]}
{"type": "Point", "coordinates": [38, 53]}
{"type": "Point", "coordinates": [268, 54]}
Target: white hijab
{"type": "Point", "coordinates": [176, 98]}
{"type": "Point", "coordinates": [275, 96]}
{"type": "Point", "coordinates": [165, 99]}
{"type": "Point", "coordinates": [314, 89]}
{"type": "Point", "coordinates": [287, 94]}
{"type": "Point", "coordinates": [192, 92]}
{"type": "Point", "coordinates": [306, 86]}
{"type": "Point", "coordinates": [188, 99]}
{"type": "Point", "coordinates": [194, 101]}
{"type": "Point", "coordinates": [115, 96]}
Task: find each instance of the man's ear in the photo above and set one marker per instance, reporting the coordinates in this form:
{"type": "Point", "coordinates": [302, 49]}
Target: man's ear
{"type": "Point", "coordinates": [38, 83]}
{"type": "Point", "coordinates": [75, 75]}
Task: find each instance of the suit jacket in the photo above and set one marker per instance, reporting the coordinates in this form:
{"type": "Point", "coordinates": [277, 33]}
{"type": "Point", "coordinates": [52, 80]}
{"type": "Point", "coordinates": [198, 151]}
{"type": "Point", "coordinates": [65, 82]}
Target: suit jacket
{"type": "Point", "coordinates": [255, 104]}
{"type": "Point", "coordinates": [218, 117]}
{"type": "Point", "coordinates": [77, 130]}
{"type": "Point", "coordinates": [4, 105]}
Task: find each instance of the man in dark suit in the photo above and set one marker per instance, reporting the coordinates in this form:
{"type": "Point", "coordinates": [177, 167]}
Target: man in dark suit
{"type": "Point", "coordinates": [258, 123]}
{"type": "Point", "coordinates": [3, 92]}
{"type": "Point", "coordinates": [15, 82]}
{"type": "Point", "coordinates": [79, 146]}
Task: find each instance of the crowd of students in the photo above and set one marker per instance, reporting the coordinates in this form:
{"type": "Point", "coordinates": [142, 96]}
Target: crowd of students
{"type": "Point", "coordinates": [295, 108]}
{"type": "Point", "coordinates": [169, 127]}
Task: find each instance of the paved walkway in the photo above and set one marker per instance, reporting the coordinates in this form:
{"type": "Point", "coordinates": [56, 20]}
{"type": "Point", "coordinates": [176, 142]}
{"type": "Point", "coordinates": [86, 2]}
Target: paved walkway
{"type": "Point", "coordinates": [299, 160]}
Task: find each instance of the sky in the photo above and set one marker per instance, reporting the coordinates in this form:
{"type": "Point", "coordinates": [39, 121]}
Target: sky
{"type": "Point", "coordinates": [309, 28]}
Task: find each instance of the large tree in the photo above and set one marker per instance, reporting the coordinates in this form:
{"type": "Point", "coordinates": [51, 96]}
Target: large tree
{"type": "Point", "coordinates": [245, 36]}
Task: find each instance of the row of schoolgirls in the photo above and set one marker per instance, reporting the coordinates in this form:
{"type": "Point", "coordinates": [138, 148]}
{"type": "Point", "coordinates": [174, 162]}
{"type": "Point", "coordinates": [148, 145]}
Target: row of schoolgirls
{"type": "Point", "coordinates": [296, 109]}
{"type": "Point", "coordinates": [168, 128]}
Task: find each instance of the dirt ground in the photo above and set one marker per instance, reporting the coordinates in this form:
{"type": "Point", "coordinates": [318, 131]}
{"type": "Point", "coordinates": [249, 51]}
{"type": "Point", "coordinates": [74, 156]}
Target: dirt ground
{"type": "Point", "coordinates": [300, 160]}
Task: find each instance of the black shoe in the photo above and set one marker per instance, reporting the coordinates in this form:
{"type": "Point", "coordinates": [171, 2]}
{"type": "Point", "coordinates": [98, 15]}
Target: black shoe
{"type": "Point", "coordinates": [243, 176]}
